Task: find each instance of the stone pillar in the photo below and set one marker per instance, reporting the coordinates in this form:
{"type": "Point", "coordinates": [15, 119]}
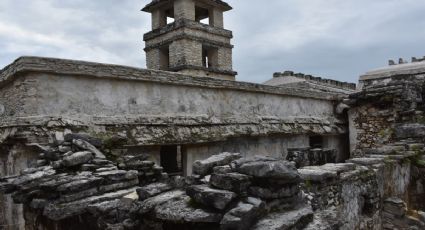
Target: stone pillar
{"type": "Point", "coordinates": [216, 17]}
{"type": "Point", "coordinates": [158, 19]}
{"type": "Point", "coordinates": [153, 59]}
{"type": "Point", "coordinates": [184, 9]}
{"type": "Point", "coordinates": [225, 58]}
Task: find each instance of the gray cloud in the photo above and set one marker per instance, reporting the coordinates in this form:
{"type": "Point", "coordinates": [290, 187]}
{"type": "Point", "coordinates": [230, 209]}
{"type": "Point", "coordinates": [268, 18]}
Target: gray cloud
{"type": "Point", "coordinates": [328, 38]}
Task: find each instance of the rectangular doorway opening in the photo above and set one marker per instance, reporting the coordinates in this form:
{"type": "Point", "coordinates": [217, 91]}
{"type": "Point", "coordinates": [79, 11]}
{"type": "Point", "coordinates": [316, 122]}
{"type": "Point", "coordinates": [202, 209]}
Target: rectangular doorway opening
{"type": "Point", "coordinates": [171, 159]}
{"type": "Point", "coordinates": [169, 14]}
{"type": "Point", "coordinates": [209, 57]}
{"type": "Point", "coordinates": [202, 15]}
{"type": "Point", "coordinates": [316, 142]}
{"type": "Point", "coordinates": [164, 57]}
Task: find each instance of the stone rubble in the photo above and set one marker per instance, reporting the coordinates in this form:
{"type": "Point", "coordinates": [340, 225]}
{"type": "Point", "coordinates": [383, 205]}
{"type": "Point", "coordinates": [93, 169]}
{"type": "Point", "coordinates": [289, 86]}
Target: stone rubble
{"type": "Point", "coordinates": [75, 179]}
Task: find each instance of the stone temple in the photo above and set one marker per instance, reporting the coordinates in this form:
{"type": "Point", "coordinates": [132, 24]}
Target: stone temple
{"type": "Point", "coordinates": [183, 145]}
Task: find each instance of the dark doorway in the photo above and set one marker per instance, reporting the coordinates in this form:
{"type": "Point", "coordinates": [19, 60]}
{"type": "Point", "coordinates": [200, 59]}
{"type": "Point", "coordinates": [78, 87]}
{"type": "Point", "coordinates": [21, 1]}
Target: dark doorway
{"type": "Point", "coordinates": [316, 142]}
{"type": "Point", "coordinates": [171, 159]}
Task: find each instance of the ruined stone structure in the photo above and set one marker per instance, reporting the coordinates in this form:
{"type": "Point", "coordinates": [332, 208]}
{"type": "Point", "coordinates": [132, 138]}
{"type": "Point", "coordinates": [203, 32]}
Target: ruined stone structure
{"type": "Point", "coordinates": [182, 145]}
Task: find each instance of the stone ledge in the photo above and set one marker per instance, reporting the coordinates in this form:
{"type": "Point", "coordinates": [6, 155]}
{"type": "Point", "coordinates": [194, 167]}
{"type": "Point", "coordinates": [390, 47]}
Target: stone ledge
{"type": "Point", "coordinates": [185, 23]}
{"type": "Point", "coordinates": [212, 70]}
{"type": "Point", "coordinates": [317, 80]}
{"type": "Point", "coordinates": [205, 41]}
{"type": "Point", "coordinates": [39, 129]}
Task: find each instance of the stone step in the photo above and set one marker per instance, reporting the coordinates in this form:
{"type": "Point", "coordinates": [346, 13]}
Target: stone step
{"type": "Point", "coordinates": [365, 161]}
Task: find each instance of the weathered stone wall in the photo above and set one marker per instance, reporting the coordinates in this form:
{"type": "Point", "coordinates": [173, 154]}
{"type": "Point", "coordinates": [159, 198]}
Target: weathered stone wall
{"type": "Point", "coordinates": [74, 96]}
{"type": "Point", "coordinates": [13, 159]}
{"type": "Point", "coordinates": [370, 127]}
{"type": "Point", "coordinates": [344, 196]}
{"type": "Point", "coordinates": [380, 110]}
{"type": "Point", "coordinates": [14, 97]}
{"type": "Point", "coordinates": [386, 123]}
{"type": "Point", "coordinates": [110, 91]}
{"type": "Point", "coordinates": [185, 52]}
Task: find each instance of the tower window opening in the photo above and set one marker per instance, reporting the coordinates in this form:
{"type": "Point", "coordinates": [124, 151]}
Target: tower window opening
{"type": "Point", "coordinates": [164, 58]}
{"type": "Point", "coordinates": [162, 17]}
{"type": "Point", "coordinates": [209, 57]}
{"type": "Point", "coordinates": [170, 20]}
{"type": "Point", "coordinates": [169, 14]}
{"type": "Point", "coordinates": [202, 15]}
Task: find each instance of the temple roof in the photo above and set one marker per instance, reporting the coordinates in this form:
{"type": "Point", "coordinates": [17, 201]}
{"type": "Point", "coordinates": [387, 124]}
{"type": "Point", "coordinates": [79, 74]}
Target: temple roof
{"type": "Point", "coordinates": [154, 3]}
{"type": "Point", "coordinates": [389, 71]}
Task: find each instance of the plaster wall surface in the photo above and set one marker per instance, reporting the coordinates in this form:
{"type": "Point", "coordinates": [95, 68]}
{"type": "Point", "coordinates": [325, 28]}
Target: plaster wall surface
{"type": "Point", "coordinates": [57, 95]}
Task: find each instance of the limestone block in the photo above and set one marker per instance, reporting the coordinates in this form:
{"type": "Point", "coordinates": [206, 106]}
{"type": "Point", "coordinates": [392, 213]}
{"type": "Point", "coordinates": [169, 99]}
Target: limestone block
{"type": "Point", "coordinates": [235, 182]}
{"type": "Point", "coordinates": [204, 167]}
{"type": "Point", "coordinates": [77, 158]}
{"type": "Point", "coordinates": [209, 197]}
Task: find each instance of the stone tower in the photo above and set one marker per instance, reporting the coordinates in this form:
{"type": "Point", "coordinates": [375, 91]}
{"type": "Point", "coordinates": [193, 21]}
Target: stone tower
{"type": "Point", "coordinates": [188, 37]}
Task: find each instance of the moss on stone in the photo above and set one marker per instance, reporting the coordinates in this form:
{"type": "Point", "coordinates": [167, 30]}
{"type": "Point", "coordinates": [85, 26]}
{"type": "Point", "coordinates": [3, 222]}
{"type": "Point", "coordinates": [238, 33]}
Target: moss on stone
{"type": "Point", "coordinates": [308, 184]}
{"type": "Point", "coordinates": [420, 119]}
{"type": "Point", "coordinates": [420, 163]}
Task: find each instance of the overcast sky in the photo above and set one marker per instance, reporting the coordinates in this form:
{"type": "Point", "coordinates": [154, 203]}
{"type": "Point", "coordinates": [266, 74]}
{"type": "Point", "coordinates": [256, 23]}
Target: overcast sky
{"type": "Point", "coordinates": [339, 39]}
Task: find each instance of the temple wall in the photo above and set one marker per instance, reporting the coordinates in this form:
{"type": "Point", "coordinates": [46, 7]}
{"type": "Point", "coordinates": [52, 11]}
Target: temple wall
{"type": "Point", "coordinates": [58, 95]}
